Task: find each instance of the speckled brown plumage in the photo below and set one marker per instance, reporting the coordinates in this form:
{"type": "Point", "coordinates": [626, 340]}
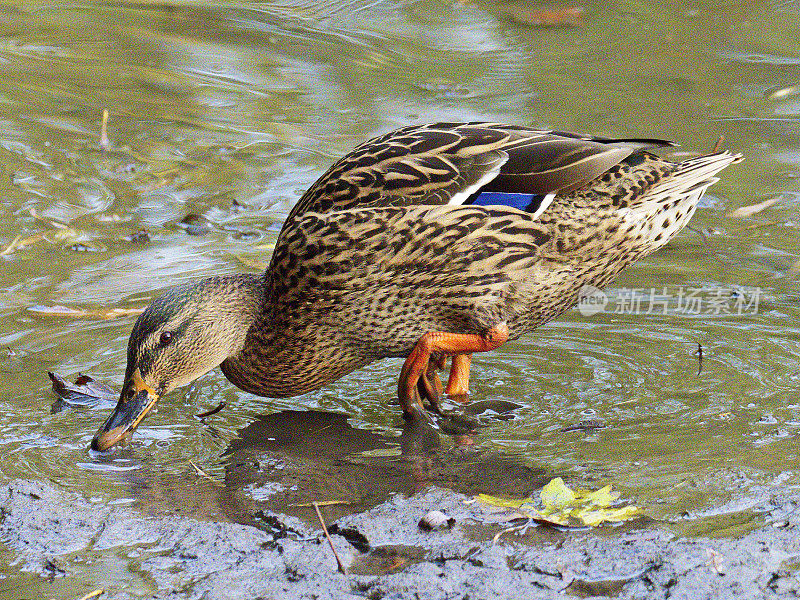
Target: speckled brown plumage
{"type": "Point", "coordinates": [390, 245]}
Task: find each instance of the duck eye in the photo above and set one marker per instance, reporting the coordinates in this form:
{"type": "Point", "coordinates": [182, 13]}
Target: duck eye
{"type": "Point", "coordinates": [166, 338]}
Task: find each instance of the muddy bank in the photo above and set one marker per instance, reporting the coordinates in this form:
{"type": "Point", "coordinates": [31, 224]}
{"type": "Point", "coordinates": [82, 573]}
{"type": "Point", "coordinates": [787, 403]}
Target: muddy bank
{"type": "Point", "coordinates": [388, 556]}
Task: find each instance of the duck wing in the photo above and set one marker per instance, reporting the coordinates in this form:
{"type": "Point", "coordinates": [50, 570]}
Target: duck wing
{"type": "Point", "coordinates": [466, 163]}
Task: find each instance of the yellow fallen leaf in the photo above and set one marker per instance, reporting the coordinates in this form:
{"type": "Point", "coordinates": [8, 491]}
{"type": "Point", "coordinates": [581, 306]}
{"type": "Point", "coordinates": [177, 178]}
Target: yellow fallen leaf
{"type": "Point", "coordinates": [556, 495]}
{"type": "Point", "coordinates": [565, 507]}
{"type": "Point", "coordinates": [595, 517]}
{"type": "Point", "coordinates": [602, 497]}
{"type": "Point", "coordinates": [324, 503]}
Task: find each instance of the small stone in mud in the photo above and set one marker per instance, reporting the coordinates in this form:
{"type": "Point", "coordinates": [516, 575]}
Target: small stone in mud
{"type": "Point", "coordinates": [140, 237]}
{"type": "Point", "coordinates": [51, 569]}
{"type": "Point", "coordinates": [195, 224]}
{"type": "Point", "coordinates": [82, 247]}
{"type": "Point", "coordinates": [436, 519]}
{"type": "Point", "coordinates": [246, 235]}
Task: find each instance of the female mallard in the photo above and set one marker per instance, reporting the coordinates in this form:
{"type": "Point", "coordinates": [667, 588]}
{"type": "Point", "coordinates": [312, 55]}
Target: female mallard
{"type": "Point", "coordinates": [428, 242]}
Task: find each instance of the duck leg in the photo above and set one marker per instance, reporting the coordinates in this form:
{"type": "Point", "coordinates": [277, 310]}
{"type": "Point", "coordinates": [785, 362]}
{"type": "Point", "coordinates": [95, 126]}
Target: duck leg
{"type": "Point", "coordinates": [458, 383]}
{"type": "Point", "coordinates": [443, 344]}
{"type": "Point", "coordinates": [429, 385]}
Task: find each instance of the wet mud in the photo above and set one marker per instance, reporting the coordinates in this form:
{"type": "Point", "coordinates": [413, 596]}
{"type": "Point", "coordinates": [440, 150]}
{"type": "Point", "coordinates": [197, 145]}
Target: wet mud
{"type": "Point", "coordinates": [52, 533]}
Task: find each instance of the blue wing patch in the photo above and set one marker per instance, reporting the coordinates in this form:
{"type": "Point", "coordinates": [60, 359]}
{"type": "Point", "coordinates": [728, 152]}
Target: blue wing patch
{"type": "Point", "coordinates": [518, 201]}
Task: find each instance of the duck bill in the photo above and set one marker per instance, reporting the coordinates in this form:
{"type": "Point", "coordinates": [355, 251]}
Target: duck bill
{"type": "Point", "coordinates": [127, 415]}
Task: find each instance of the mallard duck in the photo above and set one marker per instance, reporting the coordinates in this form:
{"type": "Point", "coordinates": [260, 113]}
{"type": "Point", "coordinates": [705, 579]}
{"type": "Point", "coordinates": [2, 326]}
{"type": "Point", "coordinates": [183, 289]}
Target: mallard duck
{"type": "Point", "coordinates": [428, 242]}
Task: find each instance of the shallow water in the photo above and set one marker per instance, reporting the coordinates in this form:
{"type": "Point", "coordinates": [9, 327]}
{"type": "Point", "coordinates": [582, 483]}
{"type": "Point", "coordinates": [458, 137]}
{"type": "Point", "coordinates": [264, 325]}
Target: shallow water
{"type": "Point", "coordinates": [230, 111]}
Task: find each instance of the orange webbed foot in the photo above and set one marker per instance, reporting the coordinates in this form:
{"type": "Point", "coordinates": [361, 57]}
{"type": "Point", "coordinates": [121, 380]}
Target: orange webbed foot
{"type": "Point", "coordinates": [416, 370]}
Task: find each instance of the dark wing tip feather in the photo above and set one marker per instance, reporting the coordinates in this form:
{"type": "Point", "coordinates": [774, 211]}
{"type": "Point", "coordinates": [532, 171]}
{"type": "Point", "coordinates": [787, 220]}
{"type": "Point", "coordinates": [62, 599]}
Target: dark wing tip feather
{"type": "Point", "coordinates": [644, 143]}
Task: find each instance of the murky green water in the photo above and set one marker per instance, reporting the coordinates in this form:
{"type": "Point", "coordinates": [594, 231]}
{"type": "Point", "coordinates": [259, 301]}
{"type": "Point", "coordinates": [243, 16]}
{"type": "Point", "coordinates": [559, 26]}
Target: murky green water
{"type": "Point", "coordinates": [230, 111]}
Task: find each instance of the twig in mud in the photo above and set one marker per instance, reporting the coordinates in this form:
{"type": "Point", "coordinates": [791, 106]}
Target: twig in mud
{"type": "Point", "coordinates": [324, 503]}
{"type": "Point", "coordinates": [202, 473]}
{"type": "Point", "coordinates": [706, 243]}
{"type": "Point", "coordinates": [699, 357]}
{"type": "Point", "coordinates": [105, 143]}
{"type": "Point", "coordinates": [342, 570]}
{"type": "Point", "coordinates": [522, 527]}
{"type": "Point", "coordinates": [584, 426]}
{"type": "Point", "coordinates": [718, 144]}
{"type": "Point", "coordinates": [94, 594]}
{"type": "Point", "coordinates": [213, 411]}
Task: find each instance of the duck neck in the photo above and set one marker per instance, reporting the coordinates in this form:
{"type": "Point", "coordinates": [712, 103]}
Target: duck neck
{"type": "Point", "coordinates": [250, 364]}
{"type": "Point", "coordinates": [291, 348]}
{"type": "Point", "coordinates": [240, 302]}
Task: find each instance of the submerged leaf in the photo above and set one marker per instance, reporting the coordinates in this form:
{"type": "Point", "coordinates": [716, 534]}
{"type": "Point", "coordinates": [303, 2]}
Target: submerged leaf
{"type": "Point", "coordinates": [543, 16]}
{"type": "Point", "coordinates": [749, 211]}
{"type": "Point", "coordinates": [74, 239]}
{"type": "Point", "coordinates": [19, 242]}
{"type": "Point", "coordinates": [77, 313]}
{"type": "Point", "coordinates": [85, 390]}
{"type": "Point", "coordinates": [253, 263]}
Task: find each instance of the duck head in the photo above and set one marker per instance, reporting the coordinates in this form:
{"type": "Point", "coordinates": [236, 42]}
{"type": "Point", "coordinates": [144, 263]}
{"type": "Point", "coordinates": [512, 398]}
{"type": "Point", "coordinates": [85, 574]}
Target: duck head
{"type": "Point", "coordinates": [182, 335]}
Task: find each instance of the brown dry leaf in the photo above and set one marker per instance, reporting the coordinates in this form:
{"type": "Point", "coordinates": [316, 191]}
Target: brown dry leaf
{"type": "Point", "coordinates": [753, 209]}
{"type": "Point", "coordinates": [551, 16]}
{"type": "Point", "coordinates": [58, 310]}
